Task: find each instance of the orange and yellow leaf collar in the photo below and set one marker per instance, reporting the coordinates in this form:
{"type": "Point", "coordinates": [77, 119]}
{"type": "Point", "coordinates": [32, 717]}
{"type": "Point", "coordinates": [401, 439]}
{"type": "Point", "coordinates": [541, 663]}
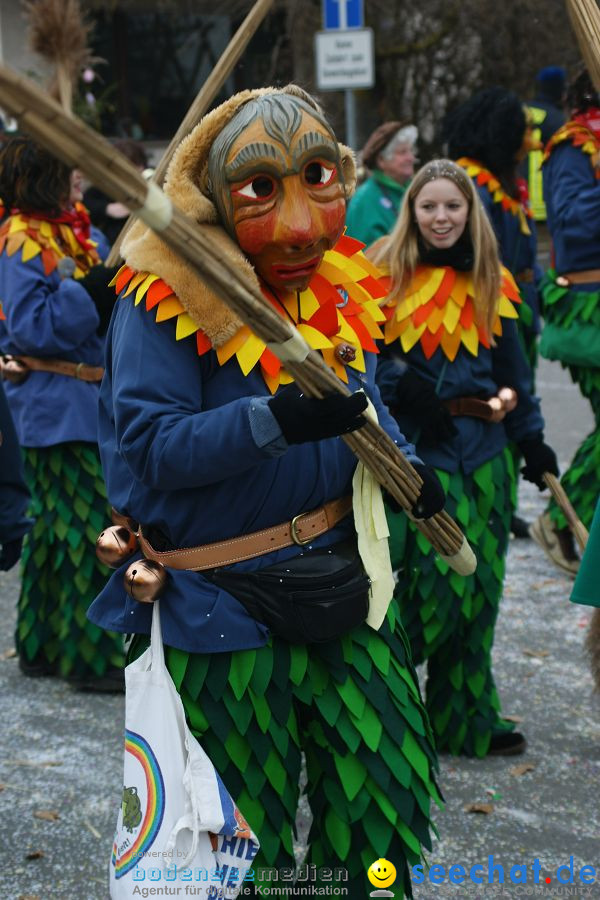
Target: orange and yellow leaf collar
{"type": "Point", "coordinates": [51, 241]}
{"type": "Point", "coordinates": [485, 178]}
{"type": "Point", "coordinates": [581, 137]}
{"type": "Point", "coordinates": [438, 310]}
{"type": "Point", "coordinates": [339, 306]}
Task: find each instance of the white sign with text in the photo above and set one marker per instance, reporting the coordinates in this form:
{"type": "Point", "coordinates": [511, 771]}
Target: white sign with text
{"type": "Point", "coordinates": [344, 59]}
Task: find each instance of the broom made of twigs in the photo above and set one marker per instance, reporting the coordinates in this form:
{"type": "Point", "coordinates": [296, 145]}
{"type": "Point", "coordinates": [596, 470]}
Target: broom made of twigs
{"type": "Point", "coordinates": [82, 147]}
{"type": "Point", "coordinates": [205, 97]}
{"type": "Point", "coordinates": [579, 530]}
{"type": "Point", "coordinates": [585, 19]}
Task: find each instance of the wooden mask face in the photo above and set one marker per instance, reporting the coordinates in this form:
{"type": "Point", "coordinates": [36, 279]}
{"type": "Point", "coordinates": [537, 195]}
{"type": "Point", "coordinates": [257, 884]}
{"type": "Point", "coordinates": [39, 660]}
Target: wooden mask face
{"type": "Point", "coordinates": [279, 191]}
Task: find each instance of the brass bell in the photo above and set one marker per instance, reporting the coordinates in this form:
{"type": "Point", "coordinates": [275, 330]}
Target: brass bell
{"type": "Point", "coordinates": [114, 545]}
{"type": "Point", "coordinates": [13, 370]}
{"type": "Point", "coordinates": [345, 353]}
{"type": "Point", "coordinates": [119, 519]}
{"type": "Point", "coordinates": [145, 580]}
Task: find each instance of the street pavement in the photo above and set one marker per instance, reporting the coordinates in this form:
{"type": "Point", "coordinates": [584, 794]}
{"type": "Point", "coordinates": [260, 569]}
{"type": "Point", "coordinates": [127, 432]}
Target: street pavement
{"type": "Point", "coordinates": [61, 751]}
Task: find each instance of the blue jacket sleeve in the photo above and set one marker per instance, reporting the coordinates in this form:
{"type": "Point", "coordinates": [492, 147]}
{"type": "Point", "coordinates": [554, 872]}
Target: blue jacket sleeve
{"type": "Point", "coordinates": [511, 369]}
{"type": "Point", "coordinates": [576, 203]}
{"type": "Point", "coordinates": [44, 315]}
{"type": "Point", "coordinates": [386, 420]}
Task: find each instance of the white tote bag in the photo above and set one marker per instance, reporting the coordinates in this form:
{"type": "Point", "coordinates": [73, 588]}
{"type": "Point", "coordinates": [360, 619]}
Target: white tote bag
{"type": "Point", "coordinates": [177, 822]}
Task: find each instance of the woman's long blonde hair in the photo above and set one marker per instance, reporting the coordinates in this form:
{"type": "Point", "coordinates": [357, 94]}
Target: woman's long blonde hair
{"type": "Point", "coordinates": [399, 251]}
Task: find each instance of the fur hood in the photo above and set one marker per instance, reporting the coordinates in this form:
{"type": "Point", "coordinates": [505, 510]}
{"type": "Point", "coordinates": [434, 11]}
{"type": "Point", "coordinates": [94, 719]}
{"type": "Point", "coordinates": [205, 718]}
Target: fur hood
{"type": "Point", "coordinates": [186, 185]}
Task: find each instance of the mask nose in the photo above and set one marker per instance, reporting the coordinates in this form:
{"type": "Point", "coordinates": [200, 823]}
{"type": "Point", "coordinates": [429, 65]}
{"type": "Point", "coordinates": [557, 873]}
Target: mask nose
{"type": "Point", "coordinates": [296, 224]}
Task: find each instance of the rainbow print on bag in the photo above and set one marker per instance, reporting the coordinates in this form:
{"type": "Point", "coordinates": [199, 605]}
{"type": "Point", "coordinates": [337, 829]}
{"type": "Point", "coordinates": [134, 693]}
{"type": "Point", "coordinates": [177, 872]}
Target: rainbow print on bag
{"type": "Point", "coordinates": [143, 806]}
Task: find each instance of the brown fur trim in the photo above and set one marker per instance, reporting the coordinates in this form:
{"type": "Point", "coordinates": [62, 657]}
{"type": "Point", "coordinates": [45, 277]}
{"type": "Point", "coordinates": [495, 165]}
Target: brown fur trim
{"type": "Point", "coordinates": [592, 645]}
{"type": "Point", "coordinates": [186, 185]}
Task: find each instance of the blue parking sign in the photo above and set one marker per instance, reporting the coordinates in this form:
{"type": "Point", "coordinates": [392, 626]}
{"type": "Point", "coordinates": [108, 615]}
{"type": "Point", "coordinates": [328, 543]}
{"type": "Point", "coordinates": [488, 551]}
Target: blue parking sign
{"type": "Point", "coordinates": [342, 14]}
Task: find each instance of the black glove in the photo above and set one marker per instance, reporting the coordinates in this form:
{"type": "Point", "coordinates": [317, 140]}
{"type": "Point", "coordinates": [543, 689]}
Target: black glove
{"type": "Point", "coordinates": [416, 397]}
{"type": "Point", "coordinates": [539, 458]}
{"type": "Point", "coordinates": [304, 419]}
{"type": "Point", "coordinates": [432, 497]}
{"type": "Point", "coordinates": [10, 553]}
{"type": "Point", "coordinates": [104, 297]}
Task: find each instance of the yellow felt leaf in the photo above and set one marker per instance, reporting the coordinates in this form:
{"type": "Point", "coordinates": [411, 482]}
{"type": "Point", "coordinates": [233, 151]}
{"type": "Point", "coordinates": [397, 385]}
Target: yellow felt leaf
{"type": "Point", "coordinates": [374, 310]}
{"type": "Point", "coordinates": [372, 327]}
{"type": "Point", "coordinates": [314, 338]}
{"type": "Point", "coordinates": [46, 229]}
{"type": "Point", "coordinates": [30, 249]}
{"type": "Point", "coordinates": [143, 288]}
{"type": "Point", "coordinates": [411, 335]}
{"type": "Point", "coordinates": [470, 339]}
{"type": "Point", "coordinates": [17, 224]}
{"type": "Point", "coordinates": [430, 288]}
{"type": "Point", "coordinates": [460, 289]}
{"type": "Point", "coordinates": [308, 304]}
{"type": "Point", "coordinates": [168, 308]}
{"type": "Point", "coordinates": [232, 346]}
{"type": "Point", "coordinates": [435, 319]}
{"type": "Point", "coordinates": [370, 268]}
{"type": "Point", "coordinates": [249, 354]}
{"type": "Point", "coordinates": [506, 309]}
{"type": "Point", "coordinates": [347, 268]}
{"type": "Point", "coordinates": [357, 293]}
{"type": "Point", "coordinates": [135, 282]}
{"type": "Point", "coordinates": [451, 316]}
{"type": "Point", "coordinates": [185, 327]}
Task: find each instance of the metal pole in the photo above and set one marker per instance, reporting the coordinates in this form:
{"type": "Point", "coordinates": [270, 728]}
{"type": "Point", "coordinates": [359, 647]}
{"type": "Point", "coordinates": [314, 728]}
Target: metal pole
{"type": "Point", "coordinates": [350, 113]}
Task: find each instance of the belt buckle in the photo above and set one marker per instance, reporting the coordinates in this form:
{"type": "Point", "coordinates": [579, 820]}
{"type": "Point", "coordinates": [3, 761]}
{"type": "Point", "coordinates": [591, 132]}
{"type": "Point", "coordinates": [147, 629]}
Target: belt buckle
{"type": "Point", "coordinates": [294, 531]}
{"type": "Point", "coordinates": [79, 371]}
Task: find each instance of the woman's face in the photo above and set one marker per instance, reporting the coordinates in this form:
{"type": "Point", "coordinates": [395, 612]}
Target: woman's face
{"type": "Point", "coordinates": [441, 211]}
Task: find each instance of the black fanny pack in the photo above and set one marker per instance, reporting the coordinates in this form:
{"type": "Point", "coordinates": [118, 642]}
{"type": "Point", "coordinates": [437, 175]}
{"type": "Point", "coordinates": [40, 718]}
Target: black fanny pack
{"type": "Point", "coordinates": [312, 598]}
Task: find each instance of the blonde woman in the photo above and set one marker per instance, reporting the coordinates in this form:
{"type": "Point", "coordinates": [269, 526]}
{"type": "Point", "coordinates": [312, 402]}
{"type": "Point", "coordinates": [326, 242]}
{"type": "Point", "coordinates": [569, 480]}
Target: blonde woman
{"type": "Point", "coordinates": [451, 353]}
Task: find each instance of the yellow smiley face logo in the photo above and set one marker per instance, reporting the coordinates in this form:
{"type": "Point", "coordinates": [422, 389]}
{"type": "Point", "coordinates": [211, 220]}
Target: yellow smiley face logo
{"type": "Point", "coordinates": [381, 873]}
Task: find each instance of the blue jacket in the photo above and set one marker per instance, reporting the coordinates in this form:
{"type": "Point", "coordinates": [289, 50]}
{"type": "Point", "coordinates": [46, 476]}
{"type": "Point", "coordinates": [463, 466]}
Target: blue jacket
{"type": "Point", "coordinates": [518, 251]}
{"type": "Point", "coordinates": [49, 317]}
{"type": "Point", "coordinates": [467, 376]}
{"type": "Point", "coordinates": [191, 447]}
{"type": "Point", "coordinates": [572, 194]}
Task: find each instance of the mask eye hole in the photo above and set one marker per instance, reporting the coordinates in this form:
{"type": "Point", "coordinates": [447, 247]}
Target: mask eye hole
{"type": "Point", "coordinates": [318, 174]}
{"type": "Point", "coordinates": [261, 187]}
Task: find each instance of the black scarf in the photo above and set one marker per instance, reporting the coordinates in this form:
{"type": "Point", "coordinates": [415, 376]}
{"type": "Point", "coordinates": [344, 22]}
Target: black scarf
{"type": "Point", "coordinates": [459, 256]}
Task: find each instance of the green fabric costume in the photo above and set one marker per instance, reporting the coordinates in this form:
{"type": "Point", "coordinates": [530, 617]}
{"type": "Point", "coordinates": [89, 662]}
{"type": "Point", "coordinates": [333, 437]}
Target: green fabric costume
{"type": "Point", "coordinates": [450, 619]}
{"type": "Point", "coordinates": [572, 336]}
{"type": "Point", "coordinates": [586, 589]}
{"type": "Point", "coordinates": [353, 706]}
{"type": "Point", "coordinates": [374, 208]}
{"type": "Point", "coordinates": [61, 573]}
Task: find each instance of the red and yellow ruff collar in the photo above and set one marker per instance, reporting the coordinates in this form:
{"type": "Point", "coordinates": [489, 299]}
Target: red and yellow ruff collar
{"type": "Point", "coordinates": [324, 316]}
{"type": "Point", "coordinates": [438, 310]}
{"type": "Point", "coordinates": [485, 178]}
{"type": "Point", "coordinates": [48, 238]}
{"type": "Point", "coordinates": [580, 136]}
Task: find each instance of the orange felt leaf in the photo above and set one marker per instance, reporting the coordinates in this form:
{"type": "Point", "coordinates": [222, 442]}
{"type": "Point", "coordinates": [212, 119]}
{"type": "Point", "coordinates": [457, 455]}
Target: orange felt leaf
{"type": "Point", "coordinates": [2, 316]}
{"type": "Point", "coordinates": [467, 315]}
{"type": "Point", "coordinates": [203, 343]}
{"type": "Point", "coordinates": [374, 287]}
{"type": "Point", "coordinates": [366, 341]}
{"type": "Point", "coordinates": [421, 314]}
{"type": "Point", "coordinates": [348, 245]}
{"type": "Point", "coordinates": [49, 261]}
{"type": "Point", "coordinates": [156, 293]}
{"type": "Point", "coordinates": [124, 276]}
{"type": "Point", "coordinates": [430, 342]}
{"type": "Point", "coordinates": [325, 319]}
{"type": "Point", "coordinates": [445, 288]}
{"type": "Point", "coordinates": [270, 363]}
{"type": "Point", "coordinates": [323, 290]}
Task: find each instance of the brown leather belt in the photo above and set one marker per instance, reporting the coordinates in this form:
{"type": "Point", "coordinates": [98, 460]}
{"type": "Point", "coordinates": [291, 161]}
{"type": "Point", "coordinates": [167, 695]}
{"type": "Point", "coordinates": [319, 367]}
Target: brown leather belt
{"type": "Point", "coordinates": [587, 277]}
{"type": "Point", "coordinates": [301, 530]}
{"type": "Point", "coordinates": [81, 371]}
{"type": "Point", "coordinates": [527, 276]}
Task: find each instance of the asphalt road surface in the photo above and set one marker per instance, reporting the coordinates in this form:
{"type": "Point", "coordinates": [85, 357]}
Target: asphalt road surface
{"type": "Point", "coordinates": [61, 751]}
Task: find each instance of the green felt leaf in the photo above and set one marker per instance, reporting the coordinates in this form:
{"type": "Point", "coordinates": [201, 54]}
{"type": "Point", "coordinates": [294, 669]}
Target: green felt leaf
{"type": "Point", "coordinates": [339, 834]}
{"type": "Point", "coordinates": [352, 774]}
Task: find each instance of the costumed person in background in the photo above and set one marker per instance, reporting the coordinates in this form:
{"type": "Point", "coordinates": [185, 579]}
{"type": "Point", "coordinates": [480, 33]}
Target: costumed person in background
{"type": "Point", "coordinates": [14, 496]}
{"type": "Point", "coordinates": [106, 214]}
{"type": "Point", "coordinates": [390, 157]}
{"type": "Point", "coordinates": [198, 414]}
{"type": "Point", "coordinates": [52, 371]}
{"type": "Point", "coordinates": [571, 296]}
{"type": "Point", "coordinates": [547, 115]}
{"type": "Point", "coordinates": [452, 341]}
{"type": "Point", "coordinates": [488, 136]}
